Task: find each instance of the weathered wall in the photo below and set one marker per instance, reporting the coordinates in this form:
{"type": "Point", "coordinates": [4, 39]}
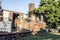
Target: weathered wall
{"type": "Point", "coordinates": [10, 16]}
{"type": "Point", "coordinates": [5, 24]}
{"type": "Point", "coordinates": [31, 9]}
{"type": "Point", "coordinates": [19, 22]}
{"type": "Point", "coordinates": [36, 26]}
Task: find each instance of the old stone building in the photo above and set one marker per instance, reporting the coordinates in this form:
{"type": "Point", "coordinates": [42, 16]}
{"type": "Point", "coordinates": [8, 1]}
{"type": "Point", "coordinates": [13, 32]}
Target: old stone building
{"type": "Point", "coordinates": [8, 19]}
{"type": "Point", "coordinates": [12, 21]}
{"type": "Point", "coordinates": [34, 23]}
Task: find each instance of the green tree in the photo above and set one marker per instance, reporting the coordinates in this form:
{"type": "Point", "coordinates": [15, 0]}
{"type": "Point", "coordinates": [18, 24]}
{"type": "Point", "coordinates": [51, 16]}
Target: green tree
{"type": "Point", "coordinates": [50, 9]}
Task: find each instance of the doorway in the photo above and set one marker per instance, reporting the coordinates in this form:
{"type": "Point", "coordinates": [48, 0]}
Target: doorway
{"type": "Point", "coordinates": [15, 15]}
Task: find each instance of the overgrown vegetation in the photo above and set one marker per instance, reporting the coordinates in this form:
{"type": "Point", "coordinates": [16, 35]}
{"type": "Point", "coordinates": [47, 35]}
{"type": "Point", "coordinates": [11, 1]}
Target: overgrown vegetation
{"type": "Point", "coordinates": [50, 9]}
{"type": "Point", "coordinates": [41, 36]}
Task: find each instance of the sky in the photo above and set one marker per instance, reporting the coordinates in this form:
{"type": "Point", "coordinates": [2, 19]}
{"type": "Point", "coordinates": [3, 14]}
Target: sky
{"type": "Point", "coordinates": [19, 5]}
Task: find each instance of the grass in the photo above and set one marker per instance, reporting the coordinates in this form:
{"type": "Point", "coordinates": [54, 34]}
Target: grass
{"type": "Point", "coordinates": [42, 35]}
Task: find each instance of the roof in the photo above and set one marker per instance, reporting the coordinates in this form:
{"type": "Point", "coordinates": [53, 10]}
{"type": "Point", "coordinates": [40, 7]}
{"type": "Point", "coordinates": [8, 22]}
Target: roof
{"type": "Point", "coordinates": [12, 11]}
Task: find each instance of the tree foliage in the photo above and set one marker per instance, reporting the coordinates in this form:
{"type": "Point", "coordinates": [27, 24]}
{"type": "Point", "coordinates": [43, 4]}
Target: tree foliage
{"type": "Point", "coordinates": [51, 12]}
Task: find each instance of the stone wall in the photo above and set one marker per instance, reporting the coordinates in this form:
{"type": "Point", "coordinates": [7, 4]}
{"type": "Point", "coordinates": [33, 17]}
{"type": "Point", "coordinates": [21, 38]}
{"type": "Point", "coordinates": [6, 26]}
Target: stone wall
{"type": "Point", "coordinates": [31, 9]}
{"type": "Point", "coordinates": [19, 22]}
{"type": "Point", "coordinates": [36, 26]}
{"type": "Point", "coordinates": [10, 16]}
